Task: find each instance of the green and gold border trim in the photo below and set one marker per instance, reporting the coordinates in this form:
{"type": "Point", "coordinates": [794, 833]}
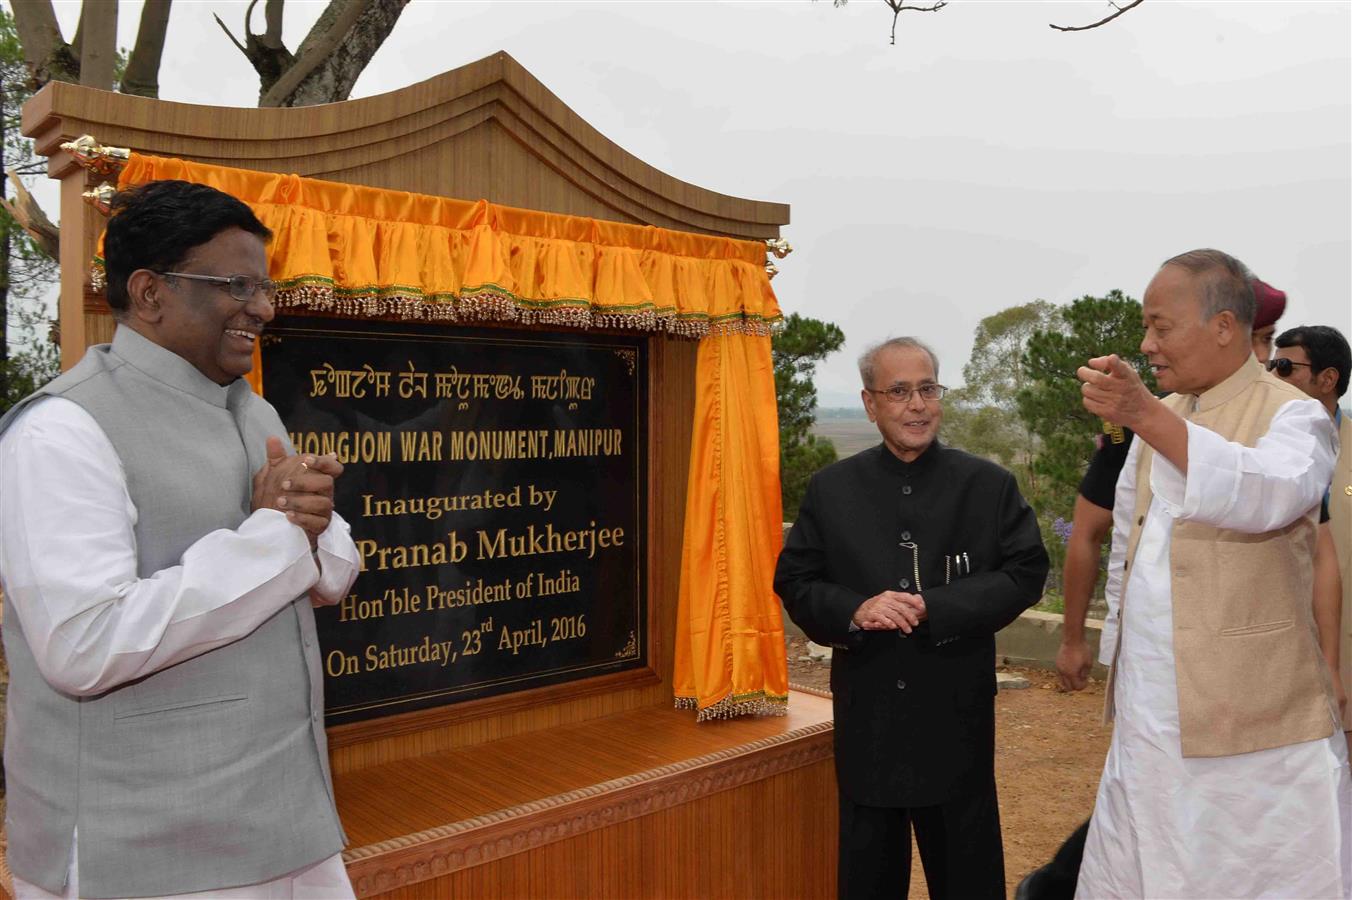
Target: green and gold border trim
{"type": "Point", "coordinates": [492, 303]}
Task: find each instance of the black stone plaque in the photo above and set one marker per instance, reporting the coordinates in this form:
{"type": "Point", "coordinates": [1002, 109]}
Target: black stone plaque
{"type": "Point", "coordinates": [495, 484]}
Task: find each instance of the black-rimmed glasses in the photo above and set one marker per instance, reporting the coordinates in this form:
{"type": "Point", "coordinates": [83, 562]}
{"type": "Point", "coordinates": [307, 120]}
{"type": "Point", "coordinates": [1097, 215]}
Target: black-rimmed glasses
{"type": "Point", "coordinates": [1284, 366]}
{"type": "Point", "coordinates": [898, 394]}
{"type": "Point", "coordinates": [240, 287]}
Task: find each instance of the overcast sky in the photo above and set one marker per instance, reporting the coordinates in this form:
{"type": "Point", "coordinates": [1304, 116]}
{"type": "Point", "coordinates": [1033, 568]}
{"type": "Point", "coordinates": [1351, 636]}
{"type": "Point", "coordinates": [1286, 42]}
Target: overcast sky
{"type": "Point", "coordinates": [984, 161]}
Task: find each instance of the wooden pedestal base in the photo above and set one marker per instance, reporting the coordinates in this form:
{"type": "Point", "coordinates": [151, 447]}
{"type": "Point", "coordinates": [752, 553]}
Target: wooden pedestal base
{"type": "Point", "coordinates": [646, 803]}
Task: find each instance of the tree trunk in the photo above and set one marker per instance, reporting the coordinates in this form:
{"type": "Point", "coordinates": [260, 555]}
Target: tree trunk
{"type": "Point", "coordinates": [335, 52]}
{"type": "Point", "coordinates": [142, 77]}
{"type": "Point", "coordinates": [48, 55]}
{"type": "Point", "coordinates": [98, 44]}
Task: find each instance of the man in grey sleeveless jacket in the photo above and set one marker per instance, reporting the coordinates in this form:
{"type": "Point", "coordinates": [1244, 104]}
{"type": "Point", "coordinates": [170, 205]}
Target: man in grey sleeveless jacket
{"type": "Point", "coordinates": [160, 550]}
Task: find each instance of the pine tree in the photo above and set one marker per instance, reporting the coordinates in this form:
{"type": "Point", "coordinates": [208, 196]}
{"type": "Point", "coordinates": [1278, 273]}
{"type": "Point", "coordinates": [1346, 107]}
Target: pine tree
{"type": "Point", "coordinates": [796, 350]}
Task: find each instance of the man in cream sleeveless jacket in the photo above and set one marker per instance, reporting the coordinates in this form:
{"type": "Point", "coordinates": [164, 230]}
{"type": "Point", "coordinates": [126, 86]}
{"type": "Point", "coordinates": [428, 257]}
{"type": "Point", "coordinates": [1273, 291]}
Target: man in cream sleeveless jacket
{"type": "Point", "coordinates": [1227, 775]}
{"type": "Point", "coordinates": [160, 552]}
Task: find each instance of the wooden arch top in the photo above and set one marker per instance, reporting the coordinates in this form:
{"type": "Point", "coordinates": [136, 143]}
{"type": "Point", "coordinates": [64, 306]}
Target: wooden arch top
{"type": "Point", "coordinates": [487, 130]}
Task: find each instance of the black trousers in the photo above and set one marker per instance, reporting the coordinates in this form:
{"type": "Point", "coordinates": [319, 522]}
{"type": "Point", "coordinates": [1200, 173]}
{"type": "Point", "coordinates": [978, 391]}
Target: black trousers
{"type": "Point", "coordinates": [1057, 879]}
{"type": "Point", "coordinates": [959, 843]}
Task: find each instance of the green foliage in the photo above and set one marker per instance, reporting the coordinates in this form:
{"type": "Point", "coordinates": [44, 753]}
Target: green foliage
{"type": "Point", "coordinates": [987, 431]}
{"type": "Point", "coordinates": [1021, 404]}
{"type": "Point", "coordinates": [1049, 404]}
{"type": "Point", "coordinates": [28, 359]}
{"type": "Point", "coordinates": [995, 373]}
{"type": "Point", "coordinates": [796, 350]}
{"type": "Point", "coordinates": [1050, 407]}
{"type": "Point", "coordinates": [1051, 602]}
{"type": "Point", "coordinates": [982, 416]}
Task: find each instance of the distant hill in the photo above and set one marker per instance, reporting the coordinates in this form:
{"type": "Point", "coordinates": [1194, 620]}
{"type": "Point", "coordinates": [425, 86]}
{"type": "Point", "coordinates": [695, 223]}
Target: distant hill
{"type": "Point", "coordinates": [850, 434]}
{"type": "Point", "coordinates": [842, 412]}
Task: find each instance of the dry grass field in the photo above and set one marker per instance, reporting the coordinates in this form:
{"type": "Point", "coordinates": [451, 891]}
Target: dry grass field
{"type": "Point", "coordinates": [849, 435]}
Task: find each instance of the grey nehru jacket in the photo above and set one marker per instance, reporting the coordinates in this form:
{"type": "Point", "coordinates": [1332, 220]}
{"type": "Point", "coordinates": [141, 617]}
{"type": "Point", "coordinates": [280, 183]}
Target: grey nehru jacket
{"type": "Point", "coordinates": [209, 773]}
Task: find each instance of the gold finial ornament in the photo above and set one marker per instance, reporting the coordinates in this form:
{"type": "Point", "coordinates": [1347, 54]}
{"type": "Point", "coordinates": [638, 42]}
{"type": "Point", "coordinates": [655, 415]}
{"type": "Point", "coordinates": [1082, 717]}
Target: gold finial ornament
{"type": "Point", "coordinates": [104, 162]}
{"type": "Point", "coordinates": [100, 196]}
{"type": "Point", "coordinates": [771, 270]}
{"type": "Point", "coordinates": [779, 247]}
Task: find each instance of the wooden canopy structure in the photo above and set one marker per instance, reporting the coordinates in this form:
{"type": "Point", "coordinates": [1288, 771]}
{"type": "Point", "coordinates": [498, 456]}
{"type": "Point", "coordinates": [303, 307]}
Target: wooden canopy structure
{"type": "Point", "coordinates": [488, 130]}
{"type": "Point", "coordinates": [564, 790]}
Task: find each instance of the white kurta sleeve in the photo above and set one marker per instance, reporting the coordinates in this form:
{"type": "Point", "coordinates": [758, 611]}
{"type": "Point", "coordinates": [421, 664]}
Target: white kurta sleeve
{"type": "Point", "coordinates": [1252, 489]}
{"type": "Point", "coordinates": [68, 562]}
{"type": "Point", "coordinates": [338, 562]}
{"type": "Point", "coordinates": [1124, 502]}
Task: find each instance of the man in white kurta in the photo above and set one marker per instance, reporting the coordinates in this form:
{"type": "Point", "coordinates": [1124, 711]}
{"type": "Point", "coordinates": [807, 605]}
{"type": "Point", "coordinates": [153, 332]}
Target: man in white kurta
{"type": "Point", "coordinates": [1269, 823]}
{"type": "Point", "coordinates": [159, 554]}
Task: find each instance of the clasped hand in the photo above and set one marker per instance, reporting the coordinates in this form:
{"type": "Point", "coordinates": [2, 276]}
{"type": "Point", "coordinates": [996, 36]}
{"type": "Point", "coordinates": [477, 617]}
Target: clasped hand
{"type": "Point", "coordinates": [891, 611]}
{"type": "Point", "coordinates": [300, 486]}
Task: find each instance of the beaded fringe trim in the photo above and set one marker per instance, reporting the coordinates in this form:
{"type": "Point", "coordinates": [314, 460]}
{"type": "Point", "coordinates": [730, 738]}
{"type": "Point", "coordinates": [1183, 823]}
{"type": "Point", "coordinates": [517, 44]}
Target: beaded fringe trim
{"type": "Point", "coordinates": [757, 703]}
{"type": "Point", "coordinates": [493, 304]}
{"type": "Point", "coordinates": [488, 305]}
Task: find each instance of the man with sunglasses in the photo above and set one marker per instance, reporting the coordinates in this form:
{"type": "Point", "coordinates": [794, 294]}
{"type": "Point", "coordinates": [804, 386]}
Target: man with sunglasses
{"type": "Point", "coordinates": [160, 550]}
{"type": "Point", "coordinates": [1226, 776]}
{"type": "Point", "coordinates": [1317, 359]}
{"type": "Point", "coordinates": [907, 558]}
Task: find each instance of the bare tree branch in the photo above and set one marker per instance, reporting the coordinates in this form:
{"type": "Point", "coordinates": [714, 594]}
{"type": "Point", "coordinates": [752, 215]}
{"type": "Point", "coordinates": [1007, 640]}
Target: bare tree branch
{"type": "Point", "coordinates": [32, 219]}
{"type": "Point", "coordinates": [1104, 21]}
{"type": "Point", "coordinates": [46, 52]}
{"type": "Point", "coordinates": [229, 34]}
{"type": "Point", "coordinates": [334, 53]}
{"type": "Point", "coordinates": [898, 7]}
{"type": "Point", "coordinates": [142, 76]}
{"type": "Point", "coordinates": [272, 15]}
{"type": "Point", "coordinates": [265, 52]}
{"type": "Point", "coordinates": [328, 32]}
{"type": "Point", "coordinates": [98, 44]}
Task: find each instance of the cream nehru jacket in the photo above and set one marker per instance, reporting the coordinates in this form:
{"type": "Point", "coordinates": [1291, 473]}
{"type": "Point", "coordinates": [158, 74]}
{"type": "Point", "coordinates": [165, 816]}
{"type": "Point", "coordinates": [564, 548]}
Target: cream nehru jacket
{"type": "Point", "coordinates": [1340, 520]}
{"type": "Point", "coordinates": [1246, 650]}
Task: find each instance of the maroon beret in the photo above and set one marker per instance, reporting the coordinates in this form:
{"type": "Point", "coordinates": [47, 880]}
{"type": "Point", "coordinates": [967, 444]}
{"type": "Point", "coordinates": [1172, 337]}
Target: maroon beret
{"type": "Point", "coordinates": [1271, 304]}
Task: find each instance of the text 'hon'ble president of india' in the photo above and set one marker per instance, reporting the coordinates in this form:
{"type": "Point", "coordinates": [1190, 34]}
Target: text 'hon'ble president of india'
{"type": "Point", "coordinates": [160, 552]}
{"type": "Point", "coordinates": [1227, 774]}
{"type": "Point", "coordinates": [908, 558]}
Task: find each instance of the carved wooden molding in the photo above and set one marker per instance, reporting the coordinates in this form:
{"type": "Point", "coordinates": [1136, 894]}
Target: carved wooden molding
{"type": "Point", "coordinates": [804, 689]}
{"type": "Point", "coordinates": [320, 142]}
{"type": "Point", "coordinates": [458, 713]}
{"type": "Point", "coordinates": [381, 867]}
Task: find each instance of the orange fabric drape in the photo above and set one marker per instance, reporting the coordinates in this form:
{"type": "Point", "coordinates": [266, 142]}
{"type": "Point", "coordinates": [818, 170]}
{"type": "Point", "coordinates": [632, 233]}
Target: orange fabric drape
{"type": "Point", "coordinates": [365, 252]}
{"type": "Point", "coordinates": [729, 631]}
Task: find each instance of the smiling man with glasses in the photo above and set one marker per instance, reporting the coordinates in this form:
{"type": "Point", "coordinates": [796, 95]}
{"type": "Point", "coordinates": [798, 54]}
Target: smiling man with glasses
{"type": "Point", "coordinates": [160, 549]}
{"type": "Point", "coordinates": [907, 558]}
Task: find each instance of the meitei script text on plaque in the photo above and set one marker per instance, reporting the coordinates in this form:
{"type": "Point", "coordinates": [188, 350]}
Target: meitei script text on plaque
{"type": "Point", "coordinates": [495, 483]}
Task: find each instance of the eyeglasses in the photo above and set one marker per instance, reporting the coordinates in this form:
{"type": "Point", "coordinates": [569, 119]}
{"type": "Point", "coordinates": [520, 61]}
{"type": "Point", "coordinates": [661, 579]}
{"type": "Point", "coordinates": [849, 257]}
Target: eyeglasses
{"type": "Point", "coordinates": [898, 394]}
{"type": "Point", "coordinates": [1284, 366]}
{"type": "Point", "coordinates": [241, 287]}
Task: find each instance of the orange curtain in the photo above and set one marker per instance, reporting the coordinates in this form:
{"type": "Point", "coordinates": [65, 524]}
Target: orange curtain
{"type": "Point", "coordinates": [729, 633]}
{"type": "Point", "coordinates": [365, 252]}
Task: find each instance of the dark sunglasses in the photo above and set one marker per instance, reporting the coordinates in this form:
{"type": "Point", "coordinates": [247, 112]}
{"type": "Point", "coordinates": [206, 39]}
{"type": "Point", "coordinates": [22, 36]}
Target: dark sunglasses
{"type": "Point", "coordinates": [1284, 367]}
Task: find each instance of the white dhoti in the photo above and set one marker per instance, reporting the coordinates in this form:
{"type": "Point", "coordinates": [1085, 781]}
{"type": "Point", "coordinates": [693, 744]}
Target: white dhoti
{"type": "Point", "coordinates": [1274, 823]}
